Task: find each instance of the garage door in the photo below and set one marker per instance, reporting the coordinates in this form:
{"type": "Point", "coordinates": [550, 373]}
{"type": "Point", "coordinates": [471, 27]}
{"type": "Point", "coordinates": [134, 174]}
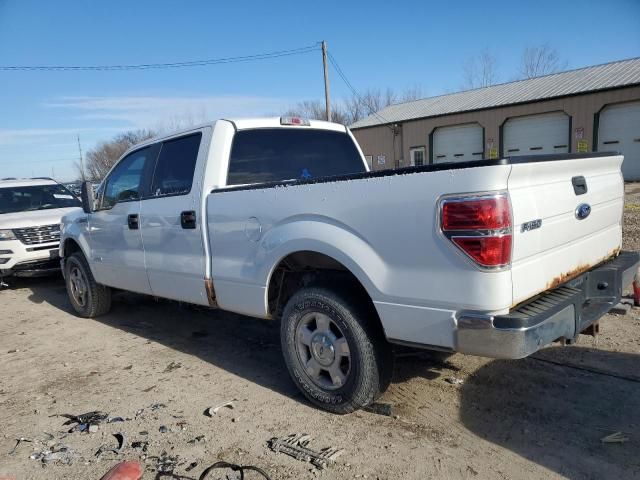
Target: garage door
{"type": "Point", "coordinates": [536, 134]}
{"type": "Point", "coordinates": [619, 131]}
{"type": "Point", "coordinates": [459, 143]}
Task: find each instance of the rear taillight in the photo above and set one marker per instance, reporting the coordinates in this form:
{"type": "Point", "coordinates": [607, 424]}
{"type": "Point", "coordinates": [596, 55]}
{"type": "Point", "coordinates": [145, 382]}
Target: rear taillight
{"type": "Point", "coordinates": [480, 226]}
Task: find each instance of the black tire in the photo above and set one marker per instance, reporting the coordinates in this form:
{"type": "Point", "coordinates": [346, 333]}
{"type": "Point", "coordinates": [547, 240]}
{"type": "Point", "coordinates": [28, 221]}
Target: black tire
{"type": "Point", "coordinates": [370, 362]}
{"type": "Point", "coordinates": [97, 297]}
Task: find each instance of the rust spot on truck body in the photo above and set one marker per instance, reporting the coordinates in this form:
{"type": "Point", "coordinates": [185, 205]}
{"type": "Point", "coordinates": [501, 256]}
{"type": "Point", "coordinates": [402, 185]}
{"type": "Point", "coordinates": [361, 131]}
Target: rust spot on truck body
{"type": "Point", "coordinates": [211, 292]}
{"type": "Point", "coordinates": [579, 270]}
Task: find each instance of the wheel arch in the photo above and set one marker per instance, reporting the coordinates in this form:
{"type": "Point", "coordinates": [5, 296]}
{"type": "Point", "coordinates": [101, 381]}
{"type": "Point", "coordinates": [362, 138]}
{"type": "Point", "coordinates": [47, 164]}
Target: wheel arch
{"type": "Point", "coordinates": [301, 268]}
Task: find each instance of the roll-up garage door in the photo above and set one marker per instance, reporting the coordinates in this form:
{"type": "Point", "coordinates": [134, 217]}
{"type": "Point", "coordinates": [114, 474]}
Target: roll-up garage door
{"type": "Point", "coordinates": [536, 134]}
{"type": "Point", "coordinates": [459, 143]}
{"type": "Point", "coordinates": [619, 131]}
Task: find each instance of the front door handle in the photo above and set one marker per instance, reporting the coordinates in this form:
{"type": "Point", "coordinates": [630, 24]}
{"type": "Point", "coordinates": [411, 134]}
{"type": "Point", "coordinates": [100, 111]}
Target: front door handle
{"type": "Point", "coordinates": [133, 221]}
{"type": "Point", "coordinates": [188, 219]}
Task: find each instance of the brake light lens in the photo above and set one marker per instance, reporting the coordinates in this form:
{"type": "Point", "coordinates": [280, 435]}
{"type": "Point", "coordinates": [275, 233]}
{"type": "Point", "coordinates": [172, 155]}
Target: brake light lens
{"type": "Point", "coordinates": [486, 251]}
{"type": "Point", "coordinates": [297, 121]}
{"type": "Point", "coordinates": [489, 213]}
{"type": "Point", "coordinates": [480, 226]}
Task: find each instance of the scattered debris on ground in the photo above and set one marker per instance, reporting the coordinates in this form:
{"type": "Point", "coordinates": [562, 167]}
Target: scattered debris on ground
{"type": "Point", "coordinates": [121, 438]}
{"type": "Point", "coordinates": [172, 366]}
{"type": "Point", "coordinates": [454, 380]}
{"type": "Point", "coordinates": [296, 446]}
{"type": "Point", "coordinates": [617, 437]}
{"type": "Point", "coordinates": [58, 453]}
{"type": "Point", "coordinates": [212, 411]}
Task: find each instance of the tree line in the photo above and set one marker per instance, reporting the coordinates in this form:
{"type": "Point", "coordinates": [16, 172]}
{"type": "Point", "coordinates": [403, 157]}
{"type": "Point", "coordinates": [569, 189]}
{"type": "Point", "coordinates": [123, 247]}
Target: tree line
{"type": "Point", "coordinates": [478, 71]}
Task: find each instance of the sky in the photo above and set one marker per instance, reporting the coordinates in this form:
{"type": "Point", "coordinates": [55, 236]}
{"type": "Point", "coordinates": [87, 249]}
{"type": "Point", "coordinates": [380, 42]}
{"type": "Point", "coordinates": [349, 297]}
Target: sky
{"type": "Point", "coordinates": [378, 44]}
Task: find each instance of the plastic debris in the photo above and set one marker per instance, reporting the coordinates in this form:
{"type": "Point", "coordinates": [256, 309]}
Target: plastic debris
{"type": "Point", "coordinates": [115, 419]}
{"type": "Point", "coordinates": [198, 439]}
{"type": "Point", "coordinates": [454, 380]}
{"type": "Point", "coordinates": [93, 428]}
{"type": "Point", "coordinates": [617, 437]}
{"type": "Point", "coordinates": [130, 470]}
{"type": "Point", "coordinates": [211, 411]}
{"type": "Point", "coordinates": [57, 453]}
{"type": "Point", "coordinates": [191, 466]}
{"type": "Point", "coordinates": [122, 442]}
{"type": "Point", "coordinates": [296, 446]}
{"type": "Point", "coordinates": [166, 463]}
{"type": "Point", "coordinates": [18, 442]}
{"type": "Point", "coordinates": [163, 429]}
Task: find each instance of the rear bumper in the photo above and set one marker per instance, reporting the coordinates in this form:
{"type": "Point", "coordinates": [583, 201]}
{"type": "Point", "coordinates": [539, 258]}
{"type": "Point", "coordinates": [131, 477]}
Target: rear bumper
{"type": "Point", "coordinates": [560, 313]}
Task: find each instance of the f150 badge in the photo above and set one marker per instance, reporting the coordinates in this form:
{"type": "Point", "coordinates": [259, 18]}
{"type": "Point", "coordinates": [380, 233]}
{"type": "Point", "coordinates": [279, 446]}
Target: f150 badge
{"type": "Point", "coordinates": [532, 225]}
{"type": "Point", "coordinates": [583, 211]}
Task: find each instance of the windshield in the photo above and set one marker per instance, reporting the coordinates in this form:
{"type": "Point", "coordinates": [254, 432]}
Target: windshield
{"type": "Point", "coordinates": [35, 197]}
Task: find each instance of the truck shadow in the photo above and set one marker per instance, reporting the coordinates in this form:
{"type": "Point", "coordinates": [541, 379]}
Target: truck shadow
{"type": "Point", "coordinates": [242, 345]}
{"type": "Point", "coordinates": [554, 409]}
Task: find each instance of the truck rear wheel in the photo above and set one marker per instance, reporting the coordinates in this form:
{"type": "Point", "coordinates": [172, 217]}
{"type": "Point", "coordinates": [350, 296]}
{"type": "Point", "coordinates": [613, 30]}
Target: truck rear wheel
{"type": "Point", "coordinates": [335, 353]}
{"type": "Point", "coordinates": [89, 298]}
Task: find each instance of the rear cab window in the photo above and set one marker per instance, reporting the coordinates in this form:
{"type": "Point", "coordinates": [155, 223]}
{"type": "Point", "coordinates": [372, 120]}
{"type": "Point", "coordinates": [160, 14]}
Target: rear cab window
{"type": "Point", "coordinates": [280, 154]}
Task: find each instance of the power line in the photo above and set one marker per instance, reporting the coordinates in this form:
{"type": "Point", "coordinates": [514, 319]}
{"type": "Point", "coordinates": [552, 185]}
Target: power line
{"type": "Point", "coordinates": [355, 92]}
{"type": "Point", "coordinates": [150, 66]}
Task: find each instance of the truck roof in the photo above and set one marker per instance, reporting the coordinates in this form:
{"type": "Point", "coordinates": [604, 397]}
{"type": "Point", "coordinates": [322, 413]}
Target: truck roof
{"type": "Point", "coordinates": [25, 182]}
{"type": "Point", "coordinates": [246, 124]}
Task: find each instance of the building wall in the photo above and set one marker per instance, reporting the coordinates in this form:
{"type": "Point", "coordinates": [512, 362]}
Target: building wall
{"type": "Point", "coordinates": [583, 110]}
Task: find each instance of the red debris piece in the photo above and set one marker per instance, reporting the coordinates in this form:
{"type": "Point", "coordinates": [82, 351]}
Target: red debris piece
{"type": "Point", "coordinates": [636, 290]}
{"type": "Point", "coordinates": [125, 471]}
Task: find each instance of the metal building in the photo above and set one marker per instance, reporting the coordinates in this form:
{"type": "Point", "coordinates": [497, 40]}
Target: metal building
{"type": "Point", "coordinates": [589, 109]}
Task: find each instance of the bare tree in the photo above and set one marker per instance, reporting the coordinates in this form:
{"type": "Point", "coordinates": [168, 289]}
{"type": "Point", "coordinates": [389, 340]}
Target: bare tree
{"type": "Point", "coordinates": [355, 107]}
{"type": "Point", "coordinates": [540, 60]}
{"type": "Point", "coordinates": [100, 159]}
{"type": "Point", "coordinates": [480, 71]}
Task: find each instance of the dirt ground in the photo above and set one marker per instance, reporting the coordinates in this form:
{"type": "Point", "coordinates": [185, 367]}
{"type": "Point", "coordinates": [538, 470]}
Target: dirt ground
{"type": "Point", "coordinates": [159, 365]}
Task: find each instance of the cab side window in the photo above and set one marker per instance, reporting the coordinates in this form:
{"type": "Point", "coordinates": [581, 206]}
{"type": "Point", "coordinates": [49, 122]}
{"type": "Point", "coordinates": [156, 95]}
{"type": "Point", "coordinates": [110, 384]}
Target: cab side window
{"type": "Point", "coordinates": [125, 181]}
{"type": "Point", "coordinates": [176, 165]}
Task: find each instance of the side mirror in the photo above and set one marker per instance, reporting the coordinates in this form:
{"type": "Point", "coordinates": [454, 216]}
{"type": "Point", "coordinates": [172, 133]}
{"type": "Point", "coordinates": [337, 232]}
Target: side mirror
{"type": "Point", "coordinates": [87, 197]}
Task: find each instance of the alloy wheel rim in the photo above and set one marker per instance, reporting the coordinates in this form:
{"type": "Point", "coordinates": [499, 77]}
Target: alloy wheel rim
{"type": "Point", "coordinates": [323, 351]}
{"type": "Point", "coordinates": [78, 286]}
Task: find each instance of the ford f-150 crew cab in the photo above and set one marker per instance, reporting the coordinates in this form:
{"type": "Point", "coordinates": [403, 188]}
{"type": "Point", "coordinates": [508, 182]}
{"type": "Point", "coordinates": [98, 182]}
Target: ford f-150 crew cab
{"type": "Point", "coordinates": [30, 214]}
{"type": "Point", "coordinates": [280, 218]}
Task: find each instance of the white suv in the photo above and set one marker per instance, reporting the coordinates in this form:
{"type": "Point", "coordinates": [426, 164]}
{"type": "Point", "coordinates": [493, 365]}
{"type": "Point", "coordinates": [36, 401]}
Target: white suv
{"type": "Point", "coordinates": [30, 214]}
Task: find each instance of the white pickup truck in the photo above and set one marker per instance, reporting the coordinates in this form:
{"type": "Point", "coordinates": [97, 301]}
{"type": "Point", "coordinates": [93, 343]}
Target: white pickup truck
{"type": "Point", "coordinates": [280, 218]}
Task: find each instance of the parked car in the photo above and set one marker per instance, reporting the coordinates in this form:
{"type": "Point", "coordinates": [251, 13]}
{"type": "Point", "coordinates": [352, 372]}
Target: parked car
{"type": "Point", "coordinates": [30, 214]}
{"type": "Point", "coordinates": [280, 218]}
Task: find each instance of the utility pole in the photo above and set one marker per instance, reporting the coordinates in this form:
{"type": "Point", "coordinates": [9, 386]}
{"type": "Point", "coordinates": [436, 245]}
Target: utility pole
{"type": "Point", "coordinates": [326, 81]}
{"type": "Point", "coordinates": [81, 162]}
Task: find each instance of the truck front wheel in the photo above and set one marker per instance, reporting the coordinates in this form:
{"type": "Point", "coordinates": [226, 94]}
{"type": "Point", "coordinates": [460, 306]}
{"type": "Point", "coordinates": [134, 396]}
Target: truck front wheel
{"type": "Point", "coordinates": [88, 298]}
{"type": "Point", "coordinates": [335, 352]}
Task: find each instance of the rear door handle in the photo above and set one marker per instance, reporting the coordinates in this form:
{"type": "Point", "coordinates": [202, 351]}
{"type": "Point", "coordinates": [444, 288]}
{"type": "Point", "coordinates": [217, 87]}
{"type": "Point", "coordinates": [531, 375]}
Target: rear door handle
{"type": "Point", "coordinates": [133, 221]}
{"type": "Point", "coordinates": [188, 219]}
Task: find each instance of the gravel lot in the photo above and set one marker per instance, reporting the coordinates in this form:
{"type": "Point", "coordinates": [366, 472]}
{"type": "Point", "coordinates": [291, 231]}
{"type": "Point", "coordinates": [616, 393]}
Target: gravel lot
{"type": "Point", "coordinates": [159, 365]}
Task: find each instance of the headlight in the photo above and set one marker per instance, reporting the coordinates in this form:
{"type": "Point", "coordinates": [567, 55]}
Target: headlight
{"type": "Point", "coordinates": [7, 235]}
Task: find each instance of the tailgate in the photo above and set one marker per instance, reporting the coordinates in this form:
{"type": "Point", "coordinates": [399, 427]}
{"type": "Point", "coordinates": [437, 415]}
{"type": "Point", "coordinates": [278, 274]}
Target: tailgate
{"type": "Point", "coordinates": [563, 245]}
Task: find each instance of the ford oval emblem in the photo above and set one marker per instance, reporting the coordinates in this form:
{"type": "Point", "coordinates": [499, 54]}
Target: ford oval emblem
{"type": "Point", "coordinates": [583, 211]}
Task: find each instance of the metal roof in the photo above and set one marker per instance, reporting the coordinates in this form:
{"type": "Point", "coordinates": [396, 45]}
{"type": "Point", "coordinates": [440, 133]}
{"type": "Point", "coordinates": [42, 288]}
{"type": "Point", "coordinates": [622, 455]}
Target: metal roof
{"type": "Point", "coordinates": [588, 79]}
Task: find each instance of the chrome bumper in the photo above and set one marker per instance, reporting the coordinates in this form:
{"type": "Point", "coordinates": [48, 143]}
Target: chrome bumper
{"type": "Point", "coordinates": [560, 313]}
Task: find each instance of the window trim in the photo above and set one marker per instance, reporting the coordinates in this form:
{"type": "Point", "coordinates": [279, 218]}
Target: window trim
{"type": "Point", "coordinates": [148, 195]}
{"type": "Point", "coordinates": [144, 178]}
